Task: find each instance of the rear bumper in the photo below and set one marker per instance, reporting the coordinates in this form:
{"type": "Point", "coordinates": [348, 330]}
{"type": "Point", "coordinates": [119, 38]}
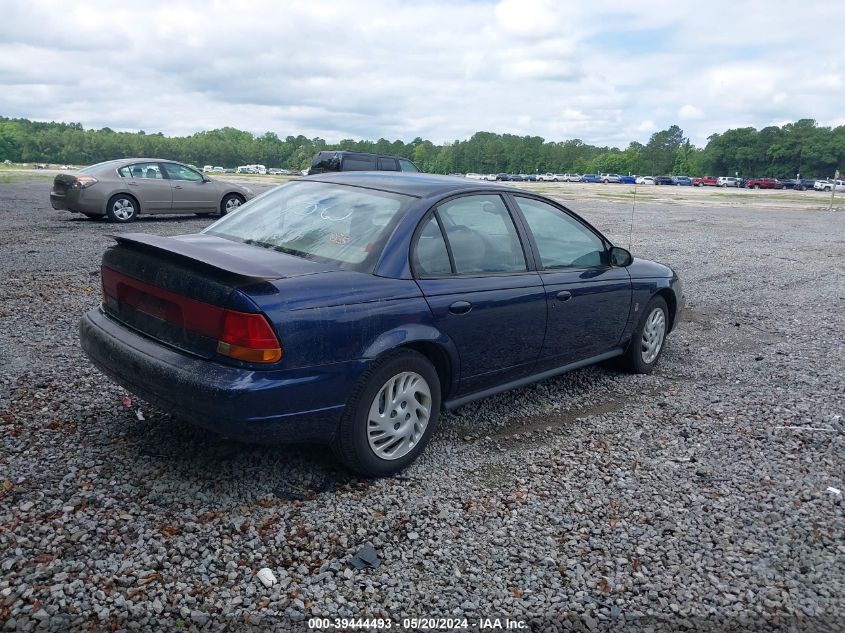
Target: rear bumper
{"type": "Point", "coordinates": [294, 405]}
{"type": "Point", "coordinates": [75, 203]}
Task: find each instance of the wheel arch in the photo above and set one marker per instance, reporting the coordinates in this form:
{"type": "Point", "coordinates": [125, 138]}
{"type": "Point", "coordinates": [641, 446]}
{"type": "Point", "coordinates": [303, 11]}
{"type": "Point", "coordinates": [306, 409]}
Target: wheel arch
{"type": "Point", "coordinates": [428, 341]}
{"type": "Point", "coordinates": [671, 302]}
{"type": "Point", "coordinates": [128, 194]}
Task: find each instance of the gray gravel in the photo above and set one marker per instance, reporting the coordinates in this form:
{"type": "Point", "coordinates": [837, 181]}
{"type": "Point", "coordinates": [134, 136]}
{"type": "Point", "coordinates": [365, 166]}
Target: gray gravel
{"type": "Point", "coordinates": [695, 498]}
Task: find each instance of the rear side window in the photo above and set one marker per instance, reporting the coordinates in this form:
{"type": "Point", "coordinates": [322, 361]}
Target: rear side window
{"type": "Point", "coordinates": [481, 235]}
{"type": "Point", "coordinates": [431, 259]}
{"type": "Point", "coordinates": [141, 170]}
{"type": "Point", "coordinates": [359, 163]}
{"type": "Point", "coordinates": [387, 164]}
{"type": "Point", "coordinates": [406, 165]}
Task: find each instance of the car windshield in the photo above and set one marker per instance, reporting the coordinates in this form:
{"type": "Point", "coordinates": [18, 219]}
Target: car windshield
{"type": "Point", "coordinates": [347, 226]}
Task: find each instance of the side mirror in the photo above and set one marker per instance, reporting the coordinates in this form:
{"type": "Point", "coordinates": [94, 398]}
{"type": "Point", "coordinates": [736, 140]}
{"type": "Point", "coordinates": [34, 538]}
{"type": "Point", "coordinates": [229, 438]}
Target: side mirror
{"type": "Point", "coordinates": [620, 256]}
{"type": "Point", "coordinates": [206, 178]}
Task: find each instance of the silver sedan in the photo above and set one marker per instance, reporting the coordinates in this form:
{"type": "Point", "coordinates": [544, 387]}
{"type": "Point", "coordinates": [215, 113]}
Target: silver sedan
{"type": "Point", "coordinates": [123, 189]}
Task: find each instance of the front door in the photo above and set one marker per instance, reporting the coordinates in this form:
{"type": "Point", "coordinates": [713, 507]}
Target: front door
{"type": "Point", "coordinates": [470, 265]}
{"type": "Point", "coordinates": [191, 192]}
{"type": "Point", "coordinates": [588, 300]}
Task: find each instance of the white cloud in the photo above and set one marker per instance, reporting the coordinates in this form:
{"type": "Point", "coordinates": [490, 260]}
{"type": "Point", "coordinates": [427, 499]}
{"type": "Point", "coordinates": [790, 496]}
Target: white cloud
{"type": "Point", "coordinates": [437, 69]}
{"type": "Point", "coordinates": [690, 113]}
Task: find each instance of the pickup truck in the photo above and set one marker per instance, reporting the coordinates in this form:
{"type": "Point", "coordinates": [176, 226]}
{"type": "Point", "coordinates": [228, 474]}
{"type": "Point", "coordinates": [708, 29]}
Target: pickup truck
{"type": "Point", "coordinates": [763, 183]}
{"type": "Point", "coordinates": [827, 185]}
{"type": "Point", "coordinates": [706, 181]}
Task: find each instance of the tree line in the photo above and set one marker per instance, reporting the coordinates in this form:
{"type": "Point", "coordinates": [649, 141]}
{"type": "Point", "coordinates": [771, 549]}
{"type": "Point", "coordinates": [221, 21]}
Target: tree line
{"type": "Point", "coordinates": [775, 151]}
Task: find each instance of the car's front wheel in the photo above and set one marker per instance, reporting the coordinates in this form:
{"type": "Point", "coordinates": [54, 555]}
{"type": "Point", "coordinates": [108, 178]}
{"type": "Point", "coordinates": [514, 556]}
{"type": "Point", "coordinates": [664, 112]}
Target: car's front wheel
{"type": "Point", "coordinates": [230, 203]}
{"type": "Point", "coordinates": [122, 208]}
{"type": "Point", "coordinates": [391, 415]}
{"type": "Point", "coordinates": [646, 345]}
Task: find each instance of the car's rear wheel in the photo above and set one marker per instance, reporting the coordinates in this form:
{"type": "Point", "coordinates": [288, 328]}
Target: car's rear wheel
{"type": "Point", "coordinates": [122, 208]}
{"type": "Point", "coordinates": [756, 186]}
{"type": "Point", "coordinates": [391, 415]}
{"type": "Point", "coordinates": [230, 202]}
{"type": "Point", "coordinates": [646, 345]}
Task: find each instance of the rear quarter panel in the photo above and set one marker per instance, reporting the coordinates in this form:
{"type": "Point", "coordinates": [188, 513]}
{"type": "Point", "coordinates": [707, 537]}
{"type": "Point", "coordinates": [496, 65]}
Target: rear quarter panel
{"type": "Point", "coordinates": [340, 316]}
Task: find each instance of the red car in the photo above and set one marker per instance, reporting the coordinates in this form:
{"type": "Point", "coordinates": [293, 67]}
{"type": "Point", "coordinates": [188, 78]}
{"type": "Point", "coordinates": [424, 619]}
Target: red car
{"type": "Point", "coordinates": [763, 183]}
{"type": "Point", "coordinates": [708, 181]}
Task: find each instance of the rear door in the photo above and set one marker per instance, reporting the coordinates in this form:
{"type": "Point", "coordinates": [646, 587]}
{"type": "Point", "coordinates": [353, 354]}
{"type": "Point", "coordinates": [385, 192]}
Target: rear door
{"type": "Point", "coordinates": [191, 192]}
{"type": "Point", "coordinates": [588, 301]}
{"type": "Point", "coordinates": [386, 163]}
{"type": "Point", "coordinates": [149, 184]}
{"type": "Point", "coordinates": [471, 266]}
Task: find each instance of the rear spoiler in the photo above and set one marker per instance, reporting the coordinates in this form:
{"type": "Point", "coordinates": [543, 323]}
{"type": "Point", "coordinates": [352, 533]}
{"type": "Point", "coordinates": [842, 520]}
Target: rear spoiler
{"type": "Point", "coordinates": [261, 267]}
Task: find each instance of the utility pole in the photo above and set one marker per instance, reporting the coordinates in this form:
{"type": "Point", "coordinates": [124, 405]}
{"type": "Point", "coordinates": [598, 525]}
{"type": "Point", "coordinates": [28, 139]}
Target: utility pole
{"type": "Point", "coordinates": [833, 189]}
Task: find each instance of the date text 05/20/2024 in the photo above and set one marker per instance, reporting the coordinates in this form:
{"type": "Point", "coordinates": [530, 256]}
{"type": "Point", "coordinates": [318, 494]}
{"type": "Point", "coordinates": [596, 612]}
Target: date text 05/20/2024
{"type": "Point", "coordinates": [429, 624]}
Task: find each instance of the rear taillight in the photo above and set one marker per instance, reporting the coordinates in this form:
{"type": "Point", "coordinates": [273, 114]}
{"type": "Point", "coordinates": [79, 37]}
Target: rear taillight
{"type": "Point", "coordinates": [83, 182]}
{"type": "Point", "coordinates": [245, 336]}
{"type": "Point", "coordinates": [248, 337]}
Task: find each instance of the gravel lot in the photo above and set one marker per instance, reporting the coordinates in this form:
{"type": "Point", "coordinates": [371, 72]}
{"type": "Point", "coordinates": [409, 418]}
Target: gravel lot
{"type": "Point", "coordinates": [695, 498]}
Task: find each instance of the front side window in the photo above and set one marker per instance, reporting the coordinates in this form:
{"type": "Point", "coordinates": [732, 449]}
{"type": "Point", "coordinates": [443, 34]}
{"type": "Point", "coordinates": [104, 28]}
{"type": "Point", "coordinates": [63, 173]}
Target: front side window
{"type": "Point", "coordinates": [406, 165]}
{"type": "Point", "coordinates": [482, 235]}
{"type": "Point", "coordinates": [347, 226]}
{"type": "Point", "coordinates": [563, 242]}
{"type": "Point", "coordinates": [180, 172]}
{"type": "Point", "coordinates": [431, 258]}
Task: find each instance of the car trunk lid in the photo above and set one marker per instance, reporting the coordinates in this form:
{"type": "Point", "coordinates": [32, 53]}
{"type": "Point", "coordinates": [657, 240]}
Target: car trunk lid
{"type": "Point", "coordinates": [178, 290]}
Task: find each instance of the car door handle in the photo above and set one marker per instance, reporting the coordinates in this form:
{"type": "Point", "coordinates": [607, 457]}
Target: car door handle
{"type": "Point", "coordinates": [563, 295]}
{"type": "Point", "coordinates": [177, 186]}
{"type": "Point", "coordinates": [460, 307]}
{"type": "Point", "coordinates": [133, 184]}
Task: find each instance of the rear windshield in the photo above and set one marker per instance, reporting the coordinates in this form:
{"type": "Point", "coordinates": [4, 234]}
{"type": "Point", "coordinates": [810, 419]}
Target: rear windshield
{"type": "Point", "coordinates": [325, 161]}
{"type": "Point", "coordinates": [98, 167]}
{"type": "Point", "coordinates": [346, 226]}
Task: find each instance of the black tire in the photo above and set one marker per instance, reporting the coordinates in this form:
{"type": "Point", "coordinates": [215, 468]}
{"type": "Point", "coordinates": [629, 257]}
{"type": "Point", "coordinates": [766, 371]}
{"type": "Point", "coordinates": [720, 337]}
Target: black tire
{"type": "Point", "coordinates": [632, 360]}
{"type": "Point", "coordinates": [350, 443]}
{"type": "Point", "coordinates": [125, 202]}
{"type": "Point", "coordinates": [225, 203]}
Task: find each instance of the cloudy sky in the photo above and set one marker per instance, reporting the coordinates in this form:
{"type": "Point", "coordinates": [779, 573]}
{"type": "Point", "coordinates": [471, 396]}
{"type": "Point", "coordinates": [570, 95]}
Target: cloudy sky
{"type": "Point", "coordinates": [605, 72]}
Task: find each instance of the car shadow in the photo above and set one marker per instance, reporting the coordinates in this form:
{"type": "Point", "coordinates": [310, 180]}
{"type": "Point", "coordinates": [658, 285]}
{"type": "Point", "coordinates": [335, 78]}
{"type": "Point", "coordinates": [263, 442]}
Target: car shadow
{"type": "Point", "coordinates": [172, 462]}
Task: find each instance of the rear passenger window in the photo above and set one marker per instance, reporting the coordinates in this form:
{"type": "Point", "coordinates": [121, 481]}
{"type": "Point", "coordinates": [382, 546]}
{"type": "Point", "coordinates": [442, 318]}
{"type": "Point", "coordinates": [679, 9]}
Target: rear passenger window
{"type": "Point", "coordinates": [406, 165]}
{"type": "Point", "coordinates": [431, 259]}
{"type": "Point", "coordinates": [141, 170]}
{"type": "Point", "coordinates": [358, 163]}
{"type": "Point", "coordinates": [387, 164]}
{"type": "Point", "coordinates": [481, 235]}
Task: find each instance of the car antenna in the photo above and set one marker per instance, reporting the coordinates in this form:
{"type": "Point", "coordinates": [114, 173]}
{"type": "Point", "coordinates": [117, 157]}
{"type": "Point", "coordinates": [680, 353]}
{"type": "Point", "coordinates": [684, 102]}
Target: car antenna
{"type": "Point", "coordinates": [633, 206]}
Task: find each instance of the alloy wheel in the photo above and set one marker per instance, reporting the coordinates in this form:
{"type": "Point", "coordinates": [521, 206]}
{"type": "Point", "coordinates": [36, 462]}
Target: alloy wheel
{"type": "Point", "coordinates": [123, 209]}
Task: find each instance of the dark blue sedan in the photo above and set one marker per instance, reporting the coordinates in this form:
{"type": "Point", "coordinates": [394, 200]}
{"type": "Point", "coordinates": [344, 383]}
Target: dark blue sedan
{"type": "Point", "coordinates": [348, 308]}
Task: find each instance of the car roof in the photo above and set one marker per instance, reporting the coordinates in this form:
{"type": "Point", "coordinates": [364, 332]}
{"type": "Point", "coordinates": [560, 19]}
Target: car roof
{"type": "Point", "coordinates": [410, 184]}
